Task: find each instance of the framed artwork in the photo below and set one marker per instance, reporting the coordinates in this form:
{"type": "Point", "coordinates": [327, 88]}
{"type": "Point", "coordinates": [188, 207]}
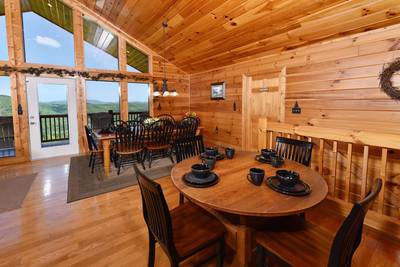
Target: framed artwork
{"type": "Point", "coordinates": [218, 91]}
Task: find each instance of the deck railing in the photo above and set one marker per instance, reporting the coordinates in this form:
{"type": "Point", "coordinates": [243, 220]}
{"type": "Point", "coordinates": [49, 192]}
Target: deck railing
{"type": "Point", "coordinates": [347, 171]}
{"type": "Point", "coordinates": [117, 118]}
{"type": "Point", "coordinates": [6, 132]}
{"type": "Point", "coordinates": [54, 128]}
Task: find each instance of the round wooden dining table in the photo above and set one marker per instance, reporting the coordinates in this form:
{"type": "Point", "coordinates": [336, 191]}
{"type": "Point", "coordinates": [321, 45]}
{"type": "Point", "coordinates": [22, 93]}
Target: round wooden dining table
{"type": "Point", "coordinates": [239, 203]}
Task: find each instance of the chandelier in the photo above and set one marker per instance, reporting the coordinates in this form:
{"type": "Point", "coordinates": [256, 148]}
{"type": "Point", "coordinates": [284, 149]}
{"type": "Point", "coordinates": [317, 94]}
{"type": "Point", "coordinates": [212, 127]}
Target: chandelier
{"type": "Point", "coordinates": [164, 89]}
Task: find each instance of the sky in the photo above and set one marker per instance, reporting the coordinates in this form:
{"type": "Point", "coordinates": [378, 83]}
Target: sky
{"type": "Point", "coordinates": [5, 85]}
{"type": "Point", "coordinates": [46, 43]}
{"type": "Point", "coordinates": [52, 92]}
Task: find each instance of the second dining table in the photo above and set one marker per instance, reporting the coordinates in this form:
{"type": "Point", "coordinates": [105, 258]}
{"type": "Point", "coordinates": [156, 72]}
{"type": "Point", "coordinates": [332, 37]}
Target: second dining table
{"type": "Point", "coordinates": [240, 204]}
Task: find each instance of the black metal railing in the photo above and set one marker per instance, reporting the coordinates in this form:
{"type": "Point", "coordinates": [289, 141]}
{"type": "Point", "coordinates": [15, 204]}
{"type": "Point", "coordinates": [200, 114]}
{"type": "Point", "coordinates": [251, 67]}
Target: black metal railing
{"type": "Point", "coordinates": [117, 118]}
{"type": "Point", "coordinates": [54, 128]}
{"type": "Point", "coordinates": [6, 132]}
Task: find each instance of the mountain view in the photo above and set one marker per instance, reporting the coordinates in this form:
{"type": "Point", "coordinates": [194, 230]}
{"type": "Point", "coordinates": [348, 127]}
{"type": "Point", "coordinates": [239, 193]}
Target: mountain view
{"type": "Point", "coordinates": [93, 106]}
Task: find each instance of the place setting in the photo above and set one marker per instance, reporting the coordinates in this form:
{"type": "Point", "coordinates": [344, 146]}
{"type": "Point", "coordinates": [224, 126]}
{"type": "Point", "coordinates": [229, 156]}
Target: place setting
{"type": "Point", "coordinates": [201, 174]}
{"type": "Point", "coordinates": [284, 181]}
{"type": "Point", "coordinates": [269, 156]}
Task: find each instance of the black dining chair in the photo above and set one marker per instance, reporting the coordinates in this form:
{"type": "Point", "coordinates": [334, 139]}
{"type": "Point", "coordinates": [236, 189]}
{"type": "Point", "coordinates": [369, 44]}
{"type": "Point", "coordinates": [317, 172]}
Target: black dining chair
{"type": "Point", "coordinates": [94, 152]}
{"type": "Point", "coordinates": [159, 136]}
{"type": "Point", "coordinates": [186, 128]}
{"type": "Point", "coordinates": [101, 120]}
{"type": "Point", "coordinates": [293, 149]}
{"type": "Point", "coordinates": [297, 242]}
{"type": "Point", "coordinates": [182, 232]}
{"type": "Point", "coordinates": [167, 117]}
{"type": "Point", "coordinates": [186, 148]}
{"type": "Point", "coordinates": [129, 144]}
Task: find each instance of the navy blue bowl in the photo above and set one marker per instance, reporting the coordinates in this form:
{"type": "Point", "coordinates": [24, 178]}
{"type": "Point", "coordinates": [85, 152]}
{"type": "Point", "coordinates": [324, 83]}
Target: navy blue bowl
{"type": "Point", "coordinates": [288, 178]}
{"type": "Point", "coordinates": [200, 170]}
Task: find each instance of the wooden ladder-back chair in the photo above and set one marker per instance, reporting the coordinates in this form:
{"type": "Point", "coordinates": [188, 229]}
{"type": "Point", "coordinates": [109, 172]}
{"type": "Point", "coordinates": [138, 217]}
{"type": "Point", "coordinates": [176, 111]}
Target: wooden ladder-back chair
{"type": "Point", "coordinates": [159, 140]}
{"type": "Point", "coordinates": [182, 232]}
{"type": "Point", "coordinates": [186, 128]}
{"type": "Point", "coordinates": [166, 117]}
{"type": "Point", "coordinates": [94, 151]}
{"type": "Point", "coordinates": [186, 148]}
{"type": "Point", "coordinates": [299, 243]}
{"type": "Point", "coordinates": [129, 144]}
{"type": "Point", "coordinates": [293, 149]}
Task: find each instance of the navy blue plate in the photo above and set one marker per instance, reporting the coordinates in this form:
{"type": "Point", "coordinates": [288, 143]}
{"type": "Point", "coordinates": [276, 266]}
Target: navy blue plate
{"type": "Point", "coordinates": [193, 181]}
{"type": "Point", "coordinates": [299, 189]}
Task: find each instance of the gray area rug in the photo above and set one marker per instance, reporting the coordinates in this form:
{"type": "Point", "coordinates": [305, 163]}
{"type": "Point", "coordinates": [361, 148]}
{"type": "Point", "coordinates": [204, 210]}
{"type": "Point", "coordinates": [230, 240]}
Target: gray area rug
{"type": "Point", "coordinates": [83, 184]}
{"type": "Point", "coordinates": [13, 191]}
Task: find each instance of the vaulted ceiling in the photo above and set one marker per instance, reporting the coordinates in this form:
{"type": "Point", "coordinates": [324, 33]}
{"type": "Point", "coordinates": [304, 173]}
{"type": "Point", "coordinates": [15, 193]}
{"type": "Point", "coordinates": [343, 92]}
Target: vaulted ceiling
{"type": "Point", "coordinates": [205, 34]}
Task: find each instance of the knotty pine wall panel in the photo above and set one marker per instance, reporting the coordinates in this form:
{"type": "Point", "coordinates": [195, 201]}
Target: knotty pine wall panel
{"type": "Point", "coordinates": [177, 79]}
{"type": "Point", "coordinates": [336, 84]}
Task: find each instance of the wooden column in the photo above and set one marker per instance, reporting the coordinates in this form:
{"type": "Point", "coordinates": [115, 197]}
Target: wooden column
{"type": "Point", "coordinates": [123, 100]}
{"type": "Point", "coordinates": [80, 82]}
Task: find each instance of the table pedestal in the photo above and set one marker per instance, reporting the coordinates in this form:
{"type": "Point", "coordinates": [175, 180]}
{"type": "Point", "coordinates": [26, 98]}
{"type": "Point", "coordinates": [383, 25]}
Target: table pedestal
{"type": "Point", "coordinates": [106, 143]}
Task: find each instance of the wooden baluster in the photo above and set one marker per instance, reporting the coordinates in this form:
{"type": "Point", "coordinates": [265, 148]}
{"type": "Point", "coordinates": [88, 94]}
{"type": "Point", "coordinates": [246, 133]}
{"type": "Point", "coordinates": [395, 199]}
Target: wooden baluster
{"type": "Point", "coordinates": [270, 139]}
{"type": "Point", "coordinates": [288, 135]}
{"type": "Point", "coordinates": [348, 171]}
{"type": "Point", "coordinates": [364, 172]}
{"type": "Point", "coordinates": [334, 166]}
{"type": "Point", "coordinates": [383, 177]}
{"type": "Point", "coordinates": [262, 134]}
{"type": "Point", "coordinates": [321, 156]}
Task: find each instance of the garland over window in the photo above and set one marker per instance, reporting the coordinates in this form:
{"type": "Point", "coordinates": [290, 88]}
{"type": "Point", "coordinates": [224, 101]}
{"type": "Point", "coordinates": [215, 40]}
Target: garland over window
{"type": "Point", "coordinates": [386, 82]}
{"type": "Point", "coordinates": [72, 73]}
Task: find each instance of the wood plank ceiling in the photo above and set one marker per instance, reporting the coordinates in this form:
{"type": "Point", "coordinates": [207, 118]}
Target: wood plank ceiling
{"type": "Point", "coordinates": [205, 34]}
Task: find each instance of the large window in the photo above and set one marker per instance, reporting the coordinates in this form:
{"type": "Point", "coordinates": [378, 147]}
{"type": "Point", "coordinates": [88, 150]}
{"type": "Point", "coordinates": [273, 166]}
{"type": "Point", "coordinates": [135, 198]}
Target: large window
{"type": "Point", "coordinates": [3, 33]}
{"type": "Point", "coordinates": [48, 32]}
{"type": "Point", "coordinates": [7, 147]}
{"type": "Point", "coordinates": [138, 97]}
{"type": "Point", "coordinates": [136, 60]}
{"type": "Point", "coordinates": [101, 46]}
{"type": "Point", "coordinates": [102, 97]}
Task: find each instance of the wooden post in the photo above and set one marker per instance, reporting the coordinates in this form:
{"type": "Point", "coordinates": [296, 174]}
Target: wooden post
{"type": "Point", "coordinates": [348, 171]}
{"type": "Point", "coordinates": [123, 84]}
{"type": "Point", "coordinates": [321, 156]}
{"type": "Point", "coordinates": [383, 177]}
{"type": "Point", "coordinates": [364, 172]}
{"type": "Point", "coordinates": [262, 133]}
{"type": "Point", "coordinates": [246, 123]}
{"type": "Point", "coordinates": [282, 95]}
{"type": "Point", "coordinates": [334, 166]}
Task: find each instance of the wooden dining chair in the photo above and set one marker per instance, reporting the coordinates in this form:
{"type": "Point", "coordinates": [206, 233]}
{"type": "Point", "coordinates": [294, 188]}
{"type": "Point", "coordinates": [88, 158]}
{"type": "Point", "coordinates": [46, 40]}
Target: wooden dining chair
{"type": "Point", "coordinates": [181, 233]}
{"type": "Point", "coordinates": [159, 140]}
{"type": "Point", "coordinates": [293, 149]}
{"type": "Point", "coordinates": [297, 242]}
{"type": "Point", "coordinates": [166, 117]}
{"type": "Point", "coordinates": [186, 128]}
{"type": "Point", "coordinates": [186, 148]}
{"type": "Point", "coordinates": [129, 144]}
{"type": "Point", "coordinates": [101, 120]}
{"type": "Point", "coordinates": [94, 152]}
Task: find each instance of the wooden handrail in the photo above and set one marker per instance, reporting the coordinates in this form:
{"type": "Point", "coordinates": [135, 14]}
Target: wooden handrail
{"type": "Point", "coordinates": [328, 142]}
{"type": "Point", "coordinates": [386, 140]}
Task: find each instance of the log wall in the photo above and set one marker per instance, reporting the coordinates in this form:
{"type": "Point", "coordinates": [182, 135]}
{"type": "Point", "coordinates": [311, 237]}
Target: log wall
{"type": "Point", "coordinates": [335, 84]}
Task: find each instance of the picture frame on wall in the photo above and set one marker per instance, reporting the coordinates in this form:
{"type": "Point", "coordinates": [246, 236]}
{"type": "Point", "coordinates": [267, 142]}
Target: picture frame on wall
{"type": "Point", "coordinates": [218, 91]}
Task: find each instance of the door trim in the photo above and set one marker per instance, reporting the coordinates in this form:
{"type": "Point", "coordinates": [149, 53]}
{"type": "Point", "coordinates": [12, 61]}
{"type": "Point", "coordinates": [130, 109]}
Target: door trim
{"type": "Point", "coordinates": [37, 152]}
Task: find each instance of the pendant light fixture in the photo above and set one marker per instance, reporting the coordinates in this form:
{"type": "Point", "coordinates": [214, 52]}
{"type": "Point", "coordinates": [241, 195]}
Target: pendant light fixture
{"type": "Point", "coordinates": [164, 89]}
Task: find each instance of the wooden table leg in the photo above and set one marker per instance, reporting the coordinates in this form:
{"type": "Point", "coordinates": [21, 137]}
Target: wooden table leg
{"type": "Point", "coordinates": [106, 156]}
{"type": "Point", "coordinates": [243, 246]}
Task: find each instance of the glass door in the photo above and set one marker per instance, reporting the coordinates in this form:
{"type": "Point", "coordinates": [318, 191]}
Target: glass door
{"type": "Point", "coordinates": [52, 117]}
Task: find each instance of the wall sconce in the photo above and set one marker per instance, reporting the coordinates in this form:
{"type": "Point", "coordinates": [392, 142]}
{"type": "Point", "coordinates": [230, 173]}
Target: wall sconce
{"type": "Point", "coordinates": [234, 105]}
{"type": "Point", "coordinates": [296, 108]}
{"type": "Point", "coordinates": [19, 109]}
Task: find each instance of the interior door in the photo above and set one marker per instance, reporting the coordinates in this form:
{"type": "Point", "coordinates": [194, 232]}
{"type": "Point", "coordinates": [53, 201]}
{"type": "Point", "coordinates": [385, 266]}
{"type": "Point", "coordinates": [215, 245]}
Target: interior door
{"type": "Point", "coordinates": [262, 98]}
{"type": "Point", "coordinates": [53, 126]}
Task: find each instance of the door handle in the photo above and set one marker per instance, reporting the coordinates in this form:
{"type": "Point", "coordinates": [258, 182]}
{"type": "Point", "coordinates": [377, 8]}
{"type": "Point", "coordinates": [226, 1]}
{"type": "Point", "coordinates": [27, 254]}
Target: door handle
{"type": "Point", "coordinates": [32, 123]}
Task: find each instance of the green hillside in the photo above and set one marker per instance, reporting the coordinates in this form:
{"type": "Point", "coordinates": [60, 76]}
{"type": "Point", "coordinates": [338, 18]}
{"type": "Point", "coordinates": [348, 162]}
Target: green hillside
{"type": "Point", "coordinates": [57, 107]}
{"type": "Point", "coordinates": [5, 105]}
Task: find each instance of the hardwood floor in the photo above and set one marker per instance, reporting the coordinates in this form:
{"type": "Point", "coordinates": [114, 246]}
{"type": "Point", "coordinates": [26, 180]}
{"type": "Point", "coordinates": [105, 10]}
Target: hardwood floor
{"type": "Point", "coordinates": [108, 230]}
